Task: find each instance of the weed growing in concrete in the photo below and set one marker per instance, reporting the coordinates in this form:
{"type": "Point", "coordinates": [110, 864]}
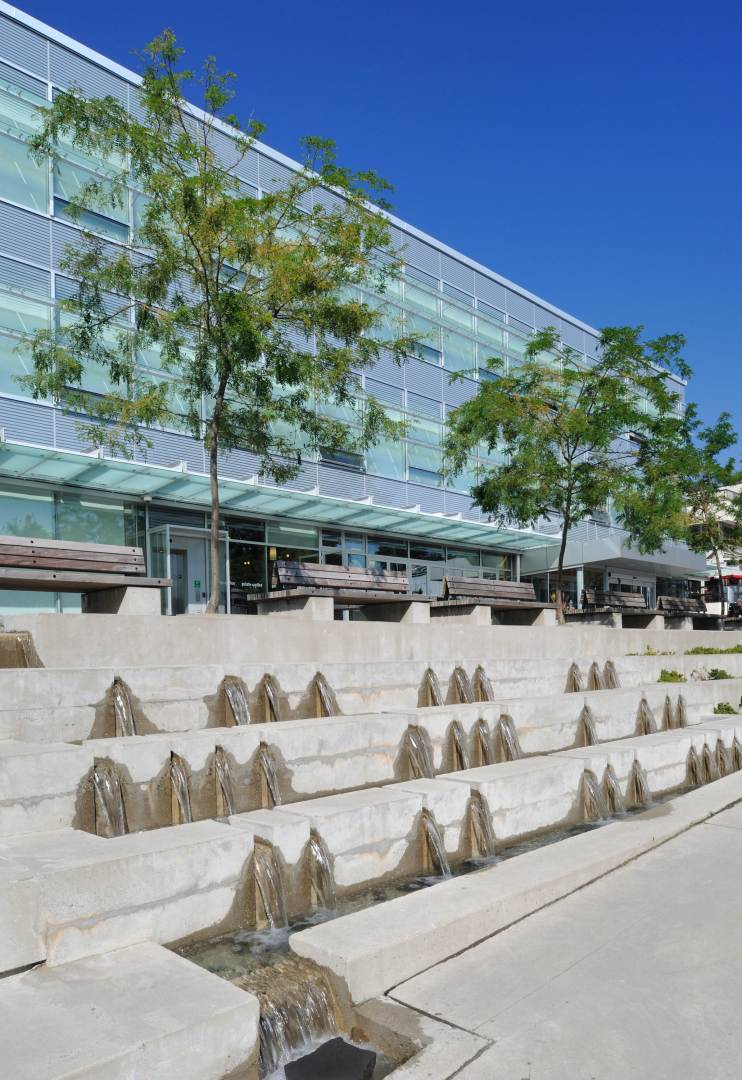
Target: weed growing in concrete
{"type": "Point", "coordinates": [724, 709]}
{"type": "Point", "coordinates": [669, 675]}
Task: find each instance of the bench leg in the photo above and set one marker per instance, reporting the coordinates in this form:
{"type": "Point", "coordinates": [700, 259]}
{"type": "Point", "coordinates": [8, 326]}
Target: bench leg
{"type": "Point", "coordinates": [412, 611]}
{"type": "Point", "coordinates": [678, 622]}
{"type": "Point", "coordinates": [314, 608]}
{"type": "Point", "coordinates": [126, 600]}
{"type": "Point", "coordinates": [479, 614]}
{"type": "Point", "coordinates": [637, 621]}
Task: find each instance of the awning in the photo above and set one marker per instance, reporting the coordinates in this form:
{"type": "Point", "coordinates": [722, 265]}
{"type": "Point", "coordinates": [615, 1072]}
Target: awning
{"type": "Point", "coordinates": [116, 476]}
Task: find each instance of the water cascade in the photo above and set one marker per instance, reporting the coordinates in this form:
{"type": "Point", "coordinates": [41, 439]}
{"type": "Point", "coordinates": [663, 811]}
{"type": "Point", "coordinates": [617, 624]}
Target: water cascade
{"type": "Point", "coordinates": [320, 873]}
{"type": "Point", "coordinates": [668, 714]}
{"type": "Point", "coordinates": [433, 695]}
{"type": "Point", "coordinates": [736, 754]}
{"type": "Point", "coordinates": [483, 742]}
{"type": "Point", "coordinates": [482, 834]}
{"type": "Point", "coordinates": [710, 768]}
{"type": "Point", "coordinates": [123, 716]}
{"type": "Point", "coordinates": [435, 846]}
{"type": "Point", "coordinates": [225, 804]}
{"type": "Point", "coordinates": [419, 752]}
{"type": "Point", "coordinates": [325, 704]}
{"type": "Point", "coordinates": [272, 705]}
{"type": "Point", "coordinates": [483, 685]}
{"type": "Point", "coordinates": [460, 751]}
{"type": "Point", "coordinates": [267, 769]}
{"type": "Point", "coordinates": [724, 763]}
{"type": "Point", "coordinates": [611, 680]}
{"type": "Point", "coordinates": [574, 679]}
{"type": "Point", "coordinates": [695, 769]}
{"type": "Point", "coordinates": [269, 886]}
{"type": "Point", "coordinates": [595, 677]}
{"type": "Point", "coordinates": [645, 724]}
{"type": "Point", "coordinates": [681, 713]}
{"type": "Point", "coordinates": [508, 738]}
{"type": "Point", "coordinates": [591, 797]}
{"type": "Point", "coordinates": [638, 786]}
{"type": "Point", "coordinates": [463, 686]}
{"type": "Point", "coordinates": [586, 733]}
{"type": "Point", "coordinates": [109, 799]}
{"type": "Point", "coordinates": [181, 794]}
{"type": "Point", "coordinates": [612, 792]}
{"type": "Point", "coordinates": [237, 702]}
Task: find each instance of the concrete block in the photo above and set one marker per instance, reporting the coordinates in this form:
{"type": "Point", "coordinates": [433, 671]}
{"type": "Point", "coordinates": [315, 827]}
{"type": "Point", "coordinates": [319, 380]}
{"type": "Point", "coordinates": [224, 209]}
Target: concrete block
{"type": "Point", "coordinates": [39, 785]}
{"type": "Point", "coordinates": [400, 611]}
{"type": "Point", "coordinates": [313, 608]}
{"type": "Point", "coordinates": [127, 600]}
{"type": "Point", "coordinates": [286, 833]}
{"type": "Point", "coordinates": [448, 802]}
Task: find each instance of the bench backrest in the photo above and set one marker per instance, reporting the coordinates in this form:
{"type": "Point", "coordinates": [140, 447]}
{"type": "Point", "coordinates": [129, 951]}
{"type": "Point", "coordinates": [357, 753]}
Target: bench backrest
{"type": "Point", "coordinates": [617, 600]}
{"type": "Point", "coordinates": [681, 604]}
{"type": "Point", "coordinates": [466, 588]}
{"type": "Point", "coordinates": [39, 554]}
{"type": "Point", "coordinates": [292, 575]}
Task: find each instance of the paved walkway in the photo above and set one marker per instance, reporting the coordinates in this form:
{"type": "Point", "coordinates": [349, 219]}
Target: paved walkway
{"type": "Point", "coordinates": [637, 975]}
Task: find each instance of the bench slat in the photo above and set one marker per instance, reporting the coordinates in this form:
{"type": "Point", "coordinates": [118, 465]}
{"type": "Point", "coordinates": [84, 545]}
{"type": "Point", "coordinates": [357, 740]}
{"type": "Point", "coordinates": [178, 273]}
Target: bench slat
{"type": "Point", "coordinates": [74, 545]}
{"type": "Point", "coordinates": [599, 598]}
{"type": "Point", "coordinates": [681, 604]}
{"type": "Point", "coordinates": [475, 588]}
{"type": "Point", "coordinates": [337, 579]}
{"type": "Point", "coordinates": [71, 580]}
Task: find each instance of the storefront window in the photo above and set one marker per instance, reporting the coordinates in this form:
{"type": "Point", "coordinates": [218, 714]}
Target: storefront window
{"type": "Point", "coordinates": [95, 522]}
{"type": "Point", "coordinates": [26, 515]}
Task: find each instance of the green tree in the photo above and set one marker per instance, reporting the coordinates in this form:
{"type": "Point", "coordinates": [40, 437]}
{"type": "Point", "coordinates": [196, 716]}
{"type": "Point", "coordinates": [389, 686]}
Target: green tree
{"type": "Point", "coordinates": [247, 309]}
{"type": "Point", "coordinates": [573, 436]}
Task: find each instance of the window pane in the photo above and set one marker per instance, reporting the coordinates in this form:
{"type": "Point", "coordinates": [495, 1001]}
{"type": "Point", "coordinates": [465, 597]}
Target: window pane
{"type": "Point", "coordinates": [458, 352]}
{"type": "Point", "coordinates": [69, 181]}
{"type": "Point", "coordinates": [292, 536]}
{"type": "Point", "coordinates": [18, 117]}
{"type": "Point", "coordinates": [95, 522]}
{"type": "Point", "coordinates": [427, 552]}
{"type": "Point", "coordinates": [423, 457]}
{"type": "Point", "coordinates": [21, 179]}
{"type": "Point", "coordinates": [386, 459]}
{"type": "Point", "coordinates": [425, 476]}
{"type": "Point", "coordinates": [420, 299]}
{"type": "Point", "coordinates": [489, 332]}
{"type": "Point", "coordinates": [15, 361]}
{"type": "Point", "coordinates": [424, 430]}
{"type": "Point", "coordinates": [465, 480]}
{"type": "Point", "coordinates": [423, 329]}
{"type": "Point", "coordinates": [23, 315]}
{"type": "Point", "coordinates": [456, 315]}
{"type": "Point", "coordinates": [378, 545]}
{"type": "Point", "coordinates": [26, 515]}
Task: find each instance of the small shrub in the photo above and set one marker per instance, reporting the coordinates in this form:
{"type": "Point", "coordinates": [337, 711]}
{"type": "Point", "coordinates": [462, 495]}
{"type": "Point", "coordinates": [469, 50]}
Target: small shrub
{"type": "Point", "coordinates": [709, 650]}
{"type": "Point", "coordinates": [724, 709]}
{"type": "Point", "coordinates": [669, 675]}
{"type": "Point", "coordinates": [718, 673]}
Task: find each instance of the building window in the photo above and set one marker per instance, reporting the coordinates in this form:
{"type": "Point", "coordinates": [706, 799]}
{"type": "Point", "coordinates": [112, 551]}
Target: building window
{"type": "Point", "coordinates": [21, 179]}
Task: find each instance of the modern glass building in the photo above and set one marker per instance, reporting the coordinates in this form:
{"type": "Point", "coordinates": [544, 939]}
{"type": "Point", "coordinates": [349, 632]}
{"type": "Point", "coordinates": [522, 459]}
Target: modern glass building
{"type": "Point", "coordinates": [393, 507]}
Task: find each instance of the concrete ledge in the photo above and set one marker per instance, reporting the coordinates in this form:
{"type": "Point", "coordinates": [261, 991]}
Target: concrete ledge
{"type": "Point", "coordinates": [138, 1012]}
{"type": "Point", "coordinates": [39, 785]}
{"type": "Point", "coordinates": [126, 600]}
{"type": "Point", "coordinates": [376, 949]}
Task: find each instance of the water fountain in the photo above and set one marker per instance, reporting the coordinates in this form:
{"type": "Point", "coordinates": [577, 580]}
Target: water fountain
{"type": "Point", "coordinates": [271, 792]}
{"type": "Point", "coordinates": [612, 792]}
{"type": "Point", "coordinates": [325, 703]}
{"type": "Point", "coordinates": [681, 713]}
{"type": "Point", "coordinates": [611, 680]}
{"type": "Point", "coordinates": [595, 677]}
{"type": "Point", "coordinates": [419, 750]}
{"type": "Point", "coordinates": [645, 724]}
{"type": "Point", "coordinates": [638, 786]}
{"type": "Point", "coordinates": [507, 738]}
{"type": "Point", "coordinates": [574, 679]}
{"type": "Point", "coordinates": [482, 834]}
{"type": "Point", "coordinates": [237, 702]}
{"type": "Point", "coordinates": [123, 716]}
{"type": "Point", "coordinates": [586, 732]}
{"type": "Point", "coordinates": [483, 685]}
{"type": "Point", "coordinates": [182, 813]}
{"type": "Point", "coordinates": [736, 754]}
{"type": "Point", "coordinates": [668, 714]}
{"type": "Point", "coordinates": [225, 804]}
{"type": "Point", "coordinates": [724, 764]}
{"type": "Point", "coordinates": [435, 847]}
{"type": "Point", "coordinates": [17, 650]}
{"type": "Point", "coordinates": [694, 767]}
{"type": "Point", "coordinates": [269, 887]}
{"type": "Point", "coordinates": [463, 686]}
{"type": "Point", "coordinates": [110, 812]}
{"type": "Point", "coordinates": [432, 687]}
{"type": "Point", "coordinates": [710, 768]}
{"type": "Point", "coordinates": [591, 797]}
{"type": "Point", "coordinates": [320, 873]}
{"type": "Point", "coordinates": [272, 703]}
{"type": "Point", "coordinates": [483, 742]}
{"type": "Point", "coordinates": [460, 750]}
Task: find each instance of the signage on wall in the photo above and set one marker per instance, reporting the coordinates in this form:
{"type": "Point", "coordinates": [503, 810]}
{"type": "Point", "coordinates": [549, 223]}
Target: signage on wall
{"type": "Point", "coordinates": [196, 584]}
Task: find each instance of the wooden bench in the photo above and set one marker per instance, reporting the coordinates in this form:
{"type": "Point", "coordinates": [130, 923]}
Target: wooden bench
{"type": "Point", "coordinates": [616, 609]}
{"type": "Point", "coordinates": [600, 599]}
{"type": "Point", "coordinates": [680, 605]}
{"type": "Point", "coordinates": [109, 576]}
{"type": "Point", "coordinates": [688, 613]}
{"type": "Point", "coordinates": [318, 589]}
{"type": "Point", "coordinates": [488, 600]}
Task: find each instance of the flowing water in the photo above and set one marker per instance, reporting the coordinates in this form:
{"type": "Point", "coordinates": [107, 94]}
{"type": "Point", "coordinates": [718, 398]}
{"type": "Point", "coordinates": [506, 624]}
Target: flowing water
{"type": "Point", "coordinates": [460, 750]}
{"type": "Point", "coordinates": [483, 741]}
{"type": "Point", "coordinates": [593, 804]}
{"type": "Point", "coordinates": [611, 680]}
{"type": "Point", "coordinates": [574, 679]}
{"type": "Point", "coordinates": [612, 792]}
{"type": "Point", "coordinates": [736, 754]}
{"type": "Point", "coordinates": [273, 706]}
{"type": "Point", "coordinates": [695, 768]}
{"type": "Point", "coordinates": [237, 702]}
{"type": "Point", "coordinates": [681, 713]}
{"type": "Point", "coordinates": [435, 845]}
{"type": "Point", "coordinates": [225, 792]}
{"type": "Point", "coordinates": [320, 872]}
{"type": "Point", "coordinates": [638, 786]}
{"type": "Point", "coordinates": [432, 686]}
{"type": "Point", "coordinates": [508, 738]}
{"type": "Point", "coordinates": [483, 685]}
{"type": "Point", "coordinates": [419, 750]}
{"type": "Point", "coordinates": [267, 769]}
{"type": "Point", "coordinates": [325, 696]}
{"type": "Point", "coordinates": [123, 716]}
{"type": "Point", "coordinates": [724, 764]}
{"type": "Point", "coordinates": [595, 677]}
{"type": "Point", "coordinates": [710, 768]}
{"type": "Point", "coordinates": [668, 714]}
{"type": "Point", "coordinates": [269, 885]}
{"type": "Point", "coordinates": [109, 798]}
{"type": "Point", "coordinates": [482, 832]}
{"type": "Point", "coordinates": [645, 724]}
{"type": "Point", "coordinates": [463, 686]}
{"type": "Point", "coordinates": [586, 733]}
{"type": "Point", "coordinates": [180, 789]}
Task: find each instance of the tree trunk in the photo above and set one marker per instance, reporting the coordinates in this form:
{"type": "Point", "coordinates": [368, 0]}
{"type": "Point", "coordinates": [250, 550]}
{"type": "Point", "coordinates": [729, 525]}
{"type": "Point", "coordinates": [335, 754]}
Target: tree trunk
{"type": "Point", "coordinates": [213, 605]}
{"type": "Point", "coordinates": [722, 595]}
{"type": "Point", "coordinates": [560, 569]}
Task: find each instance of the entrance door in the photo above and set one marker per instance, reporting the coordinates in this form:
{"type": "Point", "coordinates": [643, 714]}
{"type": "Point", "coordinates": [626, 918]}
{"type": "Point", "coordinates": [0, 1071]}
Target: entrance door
{"type": "Point", "coordinates": [179, 575]}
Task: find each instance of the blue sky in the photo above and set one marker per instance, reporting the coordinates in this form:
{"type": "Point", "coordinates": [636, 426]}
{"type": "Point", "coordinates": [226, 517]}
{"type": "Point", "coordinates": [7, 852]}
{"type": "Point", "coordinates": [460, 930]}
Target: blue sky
{"type": "Point", "coordinates": [590, 154]}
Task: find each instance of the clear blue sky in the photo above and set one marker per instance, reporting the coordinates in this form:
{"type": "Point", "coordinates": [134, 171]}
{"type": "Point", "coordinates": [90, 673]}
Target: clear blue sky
{"type": "Point", "coordinates": [588, 152]}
